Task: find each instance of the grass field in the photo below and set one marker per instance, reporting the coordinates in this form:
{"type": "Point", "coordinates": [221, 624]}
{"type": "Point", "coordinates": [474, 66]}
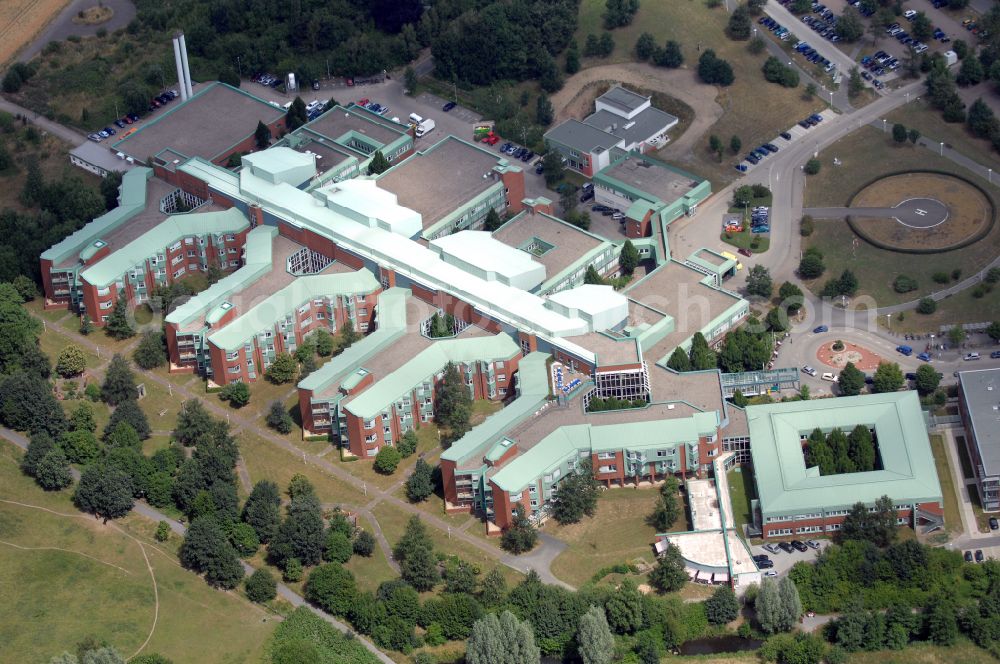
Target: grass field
{"type": "Point", "coordinates": [952, 518]}
{"type": "Point", "coordinates": [741, 492]}
{"type": "Point", "coordinates": [963, 652]}
{"type": "Point", "coordinates": [918, 115]}
{"type": "Point", "coordinates": [753, 109]}
{"type": "Point", "coordinates": [865, 155]}
{"type": "Point", "coordinates": [75, 577]}
{"type": "Point", "coordinates": [617, 533]}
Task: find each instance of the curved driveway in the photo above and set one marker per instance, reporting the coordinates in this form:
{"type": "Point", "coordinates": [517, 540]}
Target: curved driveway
{"type": "Point", "coordinates": [63, 26]}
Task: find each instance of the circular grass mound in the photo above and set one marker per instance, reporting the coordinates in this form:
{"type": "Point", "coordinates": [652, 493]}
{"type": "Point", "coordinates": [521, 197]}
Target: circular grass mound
{"type": "Point", "coordinates": [969, 212]}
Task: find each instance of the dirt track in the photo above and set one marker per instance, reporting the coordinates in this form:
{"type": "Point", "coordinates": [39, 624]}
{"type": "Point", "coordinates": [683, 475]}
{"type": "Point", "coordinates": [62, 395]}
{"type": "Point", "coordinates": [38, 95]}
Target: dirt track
{"type": "Point", "coordinates": [574, 101]}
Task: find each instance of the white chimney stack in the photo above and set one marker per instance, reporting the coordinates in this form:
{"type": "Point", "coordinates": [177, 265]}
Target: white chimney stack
{"type": "Point", "coordinates": [184, 61]}
{"type": "Point", "coordinates": [180, 69]}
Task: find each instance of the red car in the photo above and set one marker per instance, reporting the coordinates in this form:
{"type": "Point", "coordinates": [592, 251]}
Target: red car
{"type": "Point", "coordinates": [491, 139]}
{"type": "Point", "coordinates": [363, 102]}
{"type": "Point", "coordinates": [746, 252]}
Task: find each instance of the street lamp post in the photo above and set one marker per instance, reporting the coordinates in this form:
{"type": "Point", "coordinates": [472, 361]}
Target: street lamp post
{"type": "Point", "coordinates": [831, 98]}
{"type": "Point", "coordinates": [883, 125]}
{"type": "Point", "coordinates": [990, 175]}
{"type": "Point", "coordinates": [942, 148]}
{"type": "Point", "coordinates": [888, 321]}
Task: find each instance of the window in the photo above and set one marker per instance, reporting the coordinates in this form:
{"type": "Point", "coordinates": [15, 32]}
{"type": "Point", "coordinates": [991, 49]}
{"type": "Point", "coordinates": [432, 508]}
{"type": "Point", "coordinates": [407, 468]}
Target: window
{"type": "Point", "coordinates": [320, 315]}
{"type": "Point", "coordinates": [235, 370]}
{"type": "Point", "coordinates": [610, 468]}
{"type": "Point", "coordinates": [502, 377]}
{"type": "Point", "coordinates": [370, 438]}
{"type": "Point", "coordinates": [101, 292]}
{"type": "Point", "coordinates": [106, 305]}
{"type": "Point", "coordinates": [369, 424]}
{"type": "Point", "coordinates": [779, 532]}
{"type": "Point", "coordinates": [360, 298]}
{"type": "Point", "coordinates": [178, 273]}
{"type": "Point", "coordinates": [189, 240]}
{"type": "Point", "coordinates": [362, 312]}
{"type": "Point", "coordinates": [364, 327]}
{"type": "Point", "coordinates": [230, 237]}
{"type": "Point", "coordinates": [606, 455]}
{"type": "Point", "coordinates": [190, 253]}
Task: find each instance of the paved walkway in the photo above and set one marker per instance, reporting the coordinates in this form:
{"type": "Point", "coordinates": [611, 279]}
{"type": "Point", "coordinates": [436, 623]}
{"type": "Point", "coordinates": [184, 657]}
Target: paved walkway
{"type": "Point", "coordinates": [71, 136]}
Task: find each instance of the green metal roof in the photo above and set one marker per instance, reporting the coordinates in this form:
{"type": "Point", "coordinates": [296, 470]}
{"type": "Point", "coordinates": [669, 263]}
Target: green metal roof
{"type": "Point", "coordinates": [154, 241]}
{"type": "Point", "coordinates": [568, 441]}
{"type": "Point", "coordinates": [132, 201]}
{"type": "Point", "coordinates": [391, 326]}
{"type": "Point", "coordinates": [786, 486]}
{"type": "Point", "coordinates": [721, 266]}
{"type": "Point", "coordinates": [533, 391]}
{"type": "Point", "coordinates": [428, 362]}
{"type": "Point", "coordinates": [257, 262]}
{"type": "Point", "coordinates": [285, 301]}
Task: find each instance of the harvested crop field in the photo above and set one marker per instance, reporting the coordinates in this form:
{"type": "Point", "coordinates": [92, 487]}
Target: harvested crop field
{"type": "Point", "coordinates": [969, 212]}
{"type": "Point", "coordinates": [21, 20]}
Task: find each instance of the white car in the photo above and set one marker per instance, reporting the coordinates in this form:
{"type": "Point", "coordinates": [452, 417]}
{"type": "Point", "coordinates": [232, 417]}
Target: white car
{"type": "Point", "coordinates": [771, 573]}
{"type": "Point", "coordinates": [808, 370]}
{"type": "Point", "coordinates": [833, 378]}
{"type": "Point", "coordinates": [910, 13]}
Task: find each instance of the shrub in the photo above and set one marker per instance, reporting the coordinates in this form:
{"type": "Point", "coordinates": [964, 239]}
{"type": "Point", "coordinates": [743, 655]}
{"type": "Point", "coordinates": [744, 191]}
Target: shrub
{"type": "Point", "coordinates": [261, 586]}
{"type": "Point", "coordinates": [387, 459]}
{"type": "Point", "coordinates": [812, 167]}
{"type": "Point", "coordinates": [806, 227]}
{"type": "Point", "coordinates": [940, 278]}
{"type": "Point", "coordinates": [904, 284]}
{"type": "Point", "coordinates": [926, 306]}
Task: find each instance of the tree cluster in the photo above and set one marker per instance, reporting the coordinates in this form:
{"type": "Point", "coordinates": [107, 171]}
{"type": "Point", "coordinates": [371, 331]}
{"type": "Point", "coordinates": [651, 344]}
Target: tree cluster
{"type": "Point", "coordinates": [577, 495]}
{"type": "Point", "coordinates": [775, 71]}
{"type": "Point", "coordinates": [668, 506]}
{"type": "Point", "coordinates": [744, 350]}
{"type": "Point", "coordinates": [714, 70]}
{"type": "Point", "coordinates": [453, 402]}
{"type": "Point", "coordinates": [778, 605]}
{"type": "Point", "coordinates": [836, 452]}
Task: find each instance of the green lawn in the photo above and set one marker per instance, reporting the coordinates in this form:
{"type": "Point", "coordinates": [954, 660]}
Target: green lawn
{"type": "Point", "coordinates": [697, 28]}
{"type": "Point", "coordinates": [758, 243]}
{"type": "Point", "coordinates": [866, 154]}
{"type": "Point", "coordinates": [918, 115]}
{"type": "Point", "coordinates": [617, 533]}
{"type": "Point", "coordinates": [741, 491]}
{"type": "Point", "coordinates": [952, 518]}
{"type": "Point", "coordinates": [80, 578]}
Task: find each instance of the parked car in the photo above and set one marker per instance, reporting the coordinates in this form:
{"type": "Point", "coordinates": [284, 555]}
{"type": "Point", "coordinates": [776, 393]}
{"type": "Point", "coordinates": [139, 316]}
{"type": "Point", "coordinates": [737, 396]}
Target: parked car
{"type": "Point", "coordinates": [770, 573]}
{"type": "Point", "coordinates": [995, 355]}
{"type": "Point", "coordinates": [993, 523]}
{"type": "Point", "coordinates": [447, 107]}
{"type": "Point", "coordinates": [904, 350]}
{"type": "Point", "coordinates": [799, 545]}
{"type": "Point", "coordinates": [979, 555]}
{"type": "Point", "coordinates": [772, 547]}
{"type": "Point", "coordinates": [745, 252]}
{"type": "Point", "coordinates": [539, 167]}
{"type": "Point", "coordinates": [785, 135]}
{"type": "Point", "coordinates": [830, 377]}
{"type": "Point", "coordinates": [968, 556]}
{"type": "Point", "coordinates": [119, 124]}
{"type": "Point", "coordinates": [924, 357]}
{"type": "Point", "coordinates": [765, 564]}
{"type": "Point", "coordinates": [786, 547]}
{"type": "Point", "coordinates": [759, 557]}
{"type": "Point", "coordinates": [820, 329]}
{"type": "Point", "coordinates": [808, 370]}
{"type": "Point", "coordinates": [813, 544]}
{"type": "Point", "coordinates": [741, 167]}
{"type": "Point", "coordinates": [95, 137]}
{"type": "Point", "coordinates": [587, 195]}
{"type": "Point", "coordinates": [971, 356]}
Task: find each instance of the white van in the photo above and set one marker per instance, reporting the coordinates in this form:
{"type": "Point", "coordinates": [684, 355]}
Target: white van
{"type": "Point", "coordinates": [415, 119]}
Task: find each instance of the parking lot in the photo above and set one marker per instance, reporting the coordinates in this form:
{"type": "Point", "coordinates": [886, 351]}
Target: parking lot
{"type": "Point", "coordinates": [784, 561]}
{"type": "Point", "coordinates": [757, 156]}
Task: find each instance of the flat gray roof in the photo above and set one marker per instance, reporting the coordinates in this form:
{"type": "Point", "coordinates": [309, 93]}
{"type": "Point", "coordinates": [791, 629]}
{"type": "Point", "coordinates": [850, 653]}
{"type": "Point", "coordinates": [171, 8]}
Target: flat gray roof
{"type": "Point", "coordinates": [438, 181]}
{"type": "Point", "coordinates": [337, 121]}
{"type": "Point", "coordinates": [100, 156]}
{"type": "Point", "coordinates": [327, 155]}
{"type": "Point", "coordinates": [624, 99]}
{"type": "Point", "coordinates": [643, 126]}
{"type": "Point", "coordinates": [666, 184]}
{"type": "Point", "coordinates": [981, 392]}
{"type": "Point", "coordinates": [569, 243]}
{"type": "Point", "coordinates": [581, 136]}
{"type": "Point", "coordinates": [206, 125]}
{"type": "Point", "coordinates": [701, 389]}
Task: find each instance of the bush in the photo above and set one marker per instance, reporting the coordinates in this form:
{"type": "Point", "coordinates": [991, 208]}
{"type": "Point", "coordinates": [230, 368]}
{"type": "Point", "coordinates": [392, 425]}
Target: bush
{"type": "Point", "coordinates": [237, 394]}
{"type": "Point", "coordinates": [812, 167]}
{"type": "Point", "coordinates": [387, 460]}
{"type": "Point", "coordinates": [939, 278]}
{"type": "Point", "coordinates": [806, 227]}
{"type": "Point", "coordinates": [261, 586]}
{"type": "Point", "coordinates": [926, 306]}
{"type": "Point", "coordinates": [904, 284]}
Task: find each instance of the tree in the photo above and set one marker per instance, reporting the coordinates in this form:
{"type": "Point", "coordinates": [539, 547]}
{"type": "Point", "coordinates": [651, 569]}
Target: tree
{"type": "Point", "coordinates": [577, 495]}
{"type": "Point", "coordinates": [52, 473]}
{"type": "Point", "coordinates": [669, 574]}
{"type": "Point", "coordinates": [812, 167]}
{"type": "Point", "coordinates": [297, 115]}
{"type": "Point", "coordinates": [39, 446]}
{"type": "Point", "coordinates": [669, 56]}
{"type": "Point", "coordinates": [419, 568]}
{"type": "Point", "coordinates": [928, 379]}
{"type": "Point", "coordinates": [323, 342]}
{"type": "Point", "coordinates": [572, 58]}
{"type": "Point", "coordinates": [119, 382]}
{"type": "Point", "coordinates": [104, 491]}
{"type": "Point", "coordinates": [645, 46]}
{"type": "Point", "coordinates": [521, 536]}
{"type": "Point", "coordinates": [262, 136]}
{"type": "Point", "coordinates": [595, 642]}
{"type": "Point", "coordinates": [193, 423]}
{"type": "Point", "coordinates": [502, 639]}
{"type": "Point", "coordinates": [591, 276]}
{"type": "Point", "coordinates": [301, 534]}
{"type": "Point", "coordinates": [715, 145]}
{"type": "Point", "coordinates": [920, 27]}
{"type": "Point", "coordinates": [407, 445]}
{"type": "Point", "coordinates": [283, 369]}
{"type": "Point", "coordinates": [624, 608]}
{"type": "Point", "coordinates": [27, 404]}
{"type": "Point", "coordinates": [419, 486]}
{"type": "Point", "coordinates": [553, 169]}
{"type": "Point", "coordinates": [544, 113]}
{"type": "Point", "coordinates": [629, 257]}
{"type": "Point", "coordinates": [759, 282]}
{"type": "Point", "coordinates": [667, 510]}
{"type": "Point", "coordinates": [118, 326]}
{"type": "Point", "coordinates": [888, 378]}
{"type": "Point", "coordinates": [740, 24]}
{"type": "Point", "coordinates": [387, 460]}
{"type": "Point", "coordinates": [778, 605]}
{"type": "Point", "coordinates": [237, 394]}
{"type": "Point", "coordinates": [993, 331]}
{"type": "Point", "coordinates": [942, 621]}
{"type": "Point", "coordinates": [970, 72]}
{"type": "Point", "coordinates": [714, 70]}
{"type": "Point", "coordinates": [791, 297]}
{"type": "Point", "coordinates": [702, 357]}
{"type": "Point", "coordinates": [777, 72]}
{"type": "Point", "coordinates": [849, 26]}
{"type": "Point", "coordinates": [739, 399]}
{"type": "Point", "coordinates": [722, 607]}
{"type": "Point", "coordinates": [452, 402]}
{"type": "Point", "coordinates": [410, 81]}
{"type": "Point", "coordinates": [494, 588]}
{"type": "Point", "coordinates": [861, 449]}
{"type": "Point", "coordinates": [279, 419]}
{"type": "Point", "coordinates": [364, 544]}
{"type": "Point", "coordinates": [851, 380]}
{"type": "Point", "coordinates": [855, 84]}
{"type": "Point", "coordinates": [338, 548]}
{"type": "Point", "coordinates": [926, 306]}
{"type": "Point", "coordinates": [956, 335]}
{"type": "Point", "coordinates": [128, 412]}
{"type": "Point", "coordinates": [492, 222]}
{"type": "Point", "coordinates": [332, 588]}
{"type": "Point", "coordinates": [71, 362]}
{"type": "Point", "coordinates": [899, 133]}
{"type": "Point", "coordinates": [348, 335]}
{"type": "Point", "coordinates": [735, 144]}
{"type": "Point", "coordinates": [679, 360]}
{"type": "Point", "coordinates": [86, 325]}
{"type": "Point", "coordinates": [379, 164]}
{"type": "Point", "coordinates": [151, 352]}
{"type": "Point", "coordinates": [811, 266]}
{"type": "Point", "coordinates": [261, 586]}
